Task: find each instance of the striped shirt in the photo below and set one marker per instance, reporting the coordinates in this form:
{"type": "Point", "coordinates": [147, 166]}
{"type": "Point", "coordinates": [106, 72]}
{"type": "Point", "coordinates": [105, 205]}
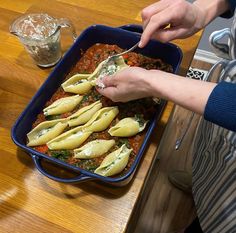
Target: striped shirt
{"type": "Point", "coordinates": [214, 161]}
{"type": "Point", "coordinates": [214, 178]}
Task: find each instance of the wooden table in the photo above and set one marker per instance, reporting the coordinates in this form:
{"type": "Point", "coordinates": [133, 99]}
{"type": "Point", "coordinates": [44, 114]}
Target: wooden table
{"type": "Point", "coordinates": [30, 202]}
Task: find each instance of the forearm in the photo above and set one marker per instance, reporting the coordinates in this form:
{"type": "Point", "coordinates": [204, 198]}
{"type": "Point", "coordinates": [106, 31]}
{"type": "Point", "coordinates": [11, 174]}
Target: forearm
{"type": "Point", "coordinates": [211, 9]}
{"type": "Point", "coordinates": [188, 93]}
{"type": "Point", "coordinates": [135, 83]}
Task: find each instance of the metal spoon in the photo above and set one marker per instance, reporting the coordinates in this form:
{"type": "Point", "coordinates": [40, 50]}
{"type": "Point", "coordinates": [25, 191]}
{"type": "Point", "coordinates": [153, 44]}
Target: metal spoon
{"type": "Point", "coordinates": [122, 53]}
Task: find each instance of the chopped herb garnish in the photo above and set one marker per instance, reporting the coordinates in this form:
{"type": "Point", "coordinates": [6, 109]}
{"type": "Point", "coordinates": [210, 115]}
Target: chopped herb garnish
{"type": "Point", "coordinates": [139, 119]}
{"type": "Point", "coordinates": [85, 98]}
{"type": "Point", "coordinates": [92, 168]}
{"type": "Point", "coordinates": [122, 141]}
{"type": "Point", "coordinates": [97, 56]}
{"type": "Point", "coordinates": [61, 154]}
{"type": "Point", "coordinates": [52, 117]}
{"type": "Point", "coordinates": [96, 95]}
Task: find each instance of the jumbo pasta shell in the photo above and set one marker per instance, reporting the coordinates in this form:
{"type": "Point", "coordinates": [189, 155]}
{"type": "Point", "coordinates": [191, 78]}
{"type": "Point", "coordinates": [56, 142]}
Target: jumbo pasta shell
{"type": "Point", "coordinates": [126, 127]}
{"type": "Point", "coordinates": [62, 105]}
{"type": "Point", "coordinates": [104, 69]}
{"type": "Point", "coordinates": [45, 132]}
{"type": "Point", "coordinates": [84, 114]}
{"type": "Point", "coordinates": [77, 84]}
{"type": "Point", "coordinates": [94, 149]}
{"type": "Point", "coordinates": [69, 140]}
{"type": "Point", "coordinates": [102, 119]}
{"type": "Point", "coordinates": [115, 162]}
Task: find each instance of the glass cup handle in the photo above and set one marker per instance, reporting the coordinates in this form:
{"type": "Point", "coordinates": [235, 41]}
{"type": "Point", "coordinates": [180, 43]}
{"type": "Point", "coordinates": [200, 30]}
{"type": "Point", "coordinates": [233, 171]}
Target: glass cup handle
{"type": "Point", "coordinates": [66, 23]}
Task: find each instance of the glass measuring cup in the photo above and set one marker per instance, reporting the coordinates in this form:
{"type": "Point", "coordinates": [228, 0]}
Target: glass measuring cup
{"type": "Point", "coordinates": [40, 35]}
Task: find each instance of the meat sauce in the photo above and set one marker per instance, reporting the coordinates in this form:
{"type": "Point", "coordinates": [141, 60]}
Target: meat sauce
{"type": "Point", "coordinates": [143, 109]}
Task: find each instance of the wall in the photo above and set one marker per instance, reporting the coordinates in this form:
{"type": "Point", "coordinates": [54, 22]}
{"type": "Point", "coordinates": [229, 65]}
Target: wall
{"type": "Point", "coordinates": [218, 24]}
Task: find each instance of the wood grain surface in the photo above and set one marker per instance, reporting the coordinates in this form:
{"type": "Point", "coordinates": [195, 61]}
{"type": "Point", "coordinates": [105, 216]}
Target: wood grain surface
{"type": "Point", "coordinates": [30, 202]}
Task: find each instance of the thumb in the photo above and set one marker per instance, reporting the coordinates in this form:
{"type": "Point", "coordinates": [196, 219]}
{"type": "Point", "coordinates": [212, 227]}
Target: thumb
{"type": "Point", "coordinates": [109, 92]}
{"type": "Point", "coordinates": [109, 81]}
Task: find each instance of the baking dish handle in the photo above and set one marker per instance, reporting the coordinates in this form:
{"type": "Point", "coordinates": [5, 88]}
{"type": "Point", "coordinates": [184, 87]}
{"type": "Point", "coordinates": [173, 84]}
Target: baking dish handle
{"type": "Point", "coordinates": [80, 178]}
{"type": "Point", "coordinates": [133, 28]}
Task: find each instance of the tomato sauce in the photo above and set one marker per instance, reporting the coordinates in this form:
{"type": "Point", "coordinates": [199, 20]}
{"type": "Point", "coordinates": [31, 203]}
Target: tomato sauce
{"type": "Point", "coordinates": [145, 108]}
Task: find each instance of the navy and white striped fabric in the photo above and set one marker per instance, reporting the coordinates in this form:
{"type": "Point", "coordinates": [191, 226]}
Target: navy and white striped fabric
{"type": "Point", "coordinates": [214, 177]}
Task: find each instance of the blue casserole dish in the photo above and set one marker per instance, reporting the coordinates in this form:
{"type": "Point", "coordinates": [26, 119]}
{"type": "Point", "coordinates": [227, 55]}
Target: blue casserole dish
{"type": "Point", "coordinates": [125, 37]}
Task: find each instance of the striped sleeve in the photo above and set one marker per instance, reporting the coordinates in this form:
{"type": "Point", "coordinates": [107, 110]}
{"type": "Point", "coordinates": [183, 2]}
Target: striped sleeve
{"type": "Point", "coordinates": [221, 106]}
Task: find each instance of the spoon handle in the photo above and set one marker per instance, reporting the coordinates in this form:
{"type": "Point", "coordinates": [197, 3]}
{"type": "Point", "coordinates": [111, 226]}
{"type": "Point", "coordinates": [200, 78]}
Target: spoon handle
{"type": "Point", "coordinates": [126, 51]}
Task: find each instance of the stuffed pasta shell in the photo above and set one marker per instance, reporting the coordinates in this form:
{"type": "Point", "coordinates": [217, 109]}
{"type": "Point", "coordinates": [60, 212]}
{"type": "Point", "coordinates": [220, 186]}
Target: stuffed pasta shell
{"type": "Point", "coordinates": [94, 149]}
{"type": "Point", "coordinates": [62, 105]}
{"type": "Point", "coordinates": [77, 84]}
{"type": "Point", "coordinates": [69, 140]}
{"type": "Point", "coordinates": [102, 119]}
{"type": "Point", "coordinates": [84, 114]}
{"type": "Point", "coordinates": [45, 132]}
{"type": "Point", "coordinates": [127, 127]}
{"type": "Point", "coordinates": [115, 162]}
{"type": "Point", "coordinates": [107, 68]}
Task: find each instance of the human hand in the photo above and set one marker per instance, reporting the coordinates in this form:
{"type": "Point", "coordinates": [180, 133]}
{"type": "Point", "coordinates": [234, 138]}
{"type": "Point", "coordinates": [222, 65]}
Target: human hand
{"type": "Point", "coordinates": [167, 20]}
{"type": "Point", "coordinates": [136, 83]}
{"type": "Point", "coordinates": [128, 84]}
